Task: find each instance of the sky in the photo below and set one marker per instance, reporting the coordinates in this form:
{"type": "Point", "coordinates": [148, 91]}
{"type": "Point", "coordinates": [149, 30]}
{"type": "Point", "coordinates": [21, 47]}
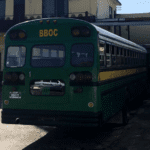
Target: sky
{"type": "Point", "coordinates": [133, 6]}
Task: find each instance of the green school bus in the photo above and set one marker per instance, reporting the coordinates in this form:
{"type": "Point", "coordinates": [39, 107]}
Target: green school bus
{"type": "Point", "coordinates": [68, 72]}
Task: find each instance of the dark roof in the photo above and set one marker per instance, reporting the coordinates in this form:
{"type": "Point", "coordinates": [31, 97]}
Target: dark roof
{"type": "Point", "coordinates": [118, 2]}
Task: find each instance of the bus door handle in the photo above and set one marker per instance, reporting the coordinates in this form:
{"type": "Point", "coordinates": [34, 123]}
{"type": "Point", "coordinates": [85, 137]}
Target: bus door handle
{"type": "Point", "coordinates": [30, 74]}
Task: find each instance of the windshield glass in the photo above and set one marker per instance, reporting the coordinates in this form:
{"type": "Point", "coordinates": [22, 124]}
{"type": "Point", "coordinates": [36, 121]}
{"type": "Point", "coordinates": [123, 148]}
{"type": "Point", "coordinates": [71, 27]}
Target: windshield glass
{"type": "Point", "coordinates": [82, 55]}
{"type": "Point", "coordinates": [48, 56]}
{"type": "Point", "coordinates": [15, 56]}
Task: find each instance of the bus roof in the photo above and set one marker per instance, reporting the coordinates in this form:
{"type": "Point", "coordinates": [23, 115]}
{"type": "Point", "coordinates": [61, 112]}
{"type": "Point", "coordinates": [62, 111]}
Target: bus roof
{"type": "Point", "coordinates": [118, 38]}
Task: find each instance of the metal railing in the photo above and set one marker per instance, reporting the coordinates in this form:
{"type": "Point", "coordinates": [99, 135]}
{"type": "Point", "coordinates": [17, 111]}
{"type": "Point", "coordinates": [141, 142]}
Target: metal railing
{"type": "Point", "coordinates": [78, 15]}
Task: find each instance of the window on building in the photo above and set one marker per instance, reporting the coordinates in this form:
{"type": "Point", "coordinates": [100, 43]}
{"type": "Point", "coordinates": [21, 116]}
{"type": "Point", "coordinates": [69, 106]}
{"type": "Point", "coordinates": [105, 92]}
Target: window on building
{"type": "Point", "coordinates": [115, 13]}
{"type": "Point", "coordinates": [110, 12]}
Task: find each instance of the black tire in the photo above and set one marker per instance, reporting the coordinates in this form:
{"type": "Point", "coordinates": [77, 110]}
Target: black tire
{"type": "Point", "coordinates": [125, 118]}
{"type": "Point", "coordinates": [126, 109]}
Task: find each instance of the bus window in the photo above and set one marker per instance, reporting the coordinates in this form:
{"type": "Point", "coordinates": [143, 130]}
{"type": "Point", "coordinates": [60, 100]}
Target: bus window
{"type": "Point", "coordinates": [135, 58]}
{"type": "Point", "coordinates": [48, 56]}
{"type": "Point", "coordinates": [108, 55]}
{"type": "Point", "coordinates": [125, 51]}
{"type": "Point", "coordinates": [113, 50]}
{"type": "Point", "coordinates": [16, 56]}
{"type": "Point", "coordinates": [138, 58]}
{"type": "Point", "coordinates": [82, 55]}
{"type": "Point", "coordinates": [125, 55]}
{"type": "Point", "coordinates": [131, 58]}
{"type": "Point", "coordinates": [128, 54]}
{"type": "Point", "coordinates": [113, 55]}
{"type": "Point", "coordinates": [121, 51]}
{"type": "Point", "coordinates": [102, 55]}
{"type": "Point", "coordinates": [117, 50]}
{"type": "Point", "coordinates": [122, 56]}
{"type": "Point", "coordinates": [118, 58]}
{"type": "Point", "coordinates": [107, 48]}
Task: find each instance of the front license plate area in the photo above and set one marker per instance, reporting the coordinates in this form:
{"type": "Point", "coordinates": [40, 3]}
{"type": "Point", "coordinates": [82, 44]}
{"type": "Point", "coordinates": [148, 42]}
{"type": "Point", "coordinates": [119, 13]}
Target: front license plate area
{"type": "Point", "coordinates": [15, 95]}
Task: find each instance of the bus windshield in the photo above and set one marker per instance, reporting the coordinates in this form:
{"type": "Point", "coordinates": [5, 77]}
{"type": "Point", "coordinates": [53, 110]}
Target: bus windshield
{"type": "Point", "coordinates": [48, 56]}
{"type": "Point", "coordinates": [82, 55]}
{"type": "Point", "coordinates": [15, 56]}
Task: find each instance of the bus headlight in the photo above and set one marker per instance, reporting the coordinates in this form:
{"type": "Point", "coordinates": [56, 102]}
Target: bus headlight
{"type": "Point", "coordinates": [22, 34]}
{"type": "Point", "coordinates": [21, 76]}
{"type": "Point", "coordinates": [72, 77]}
{"type": "Point", "coordinates": [14, 77]}
{"type": "Point", "coordinates": [75, 32]}
{"type": "Point", "coordinates": [80, 77]}
{"type": "Point", "coordinates": [13, 35]}
{"type": "Point", "coordinates": [88, 77]}
{"type": "Point", "coordinates": [85, 32]}
{"type": "Point", "coordinates": [17, 35]}
{"type": "Point", "coordinates": [80, 31]}
{"type": "Point", "coordinates": [7, 76]}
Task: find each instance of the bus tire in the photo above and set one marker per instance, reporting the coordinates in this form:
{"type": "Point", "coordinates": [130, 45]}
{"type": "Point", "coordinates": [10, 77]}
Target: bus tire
{"type": "Point", "coordinates": [125, 109]}
{"type": "Point", "coordinates": [125, 118]}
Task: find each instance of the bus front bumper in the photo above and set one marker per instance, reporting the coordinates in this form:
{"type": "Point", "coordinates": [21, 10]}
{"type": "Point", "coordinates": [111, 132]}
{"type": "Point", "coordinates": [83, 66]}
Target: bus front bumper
{"type": "Point", "coordinates": [51, 118]}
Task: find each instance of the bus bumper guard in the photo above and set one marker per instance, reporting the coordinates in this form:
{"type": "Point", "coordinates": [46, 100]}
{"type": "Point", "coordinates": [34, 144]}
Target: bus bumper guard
{"type": "Point", "coordinates": [51, 118]}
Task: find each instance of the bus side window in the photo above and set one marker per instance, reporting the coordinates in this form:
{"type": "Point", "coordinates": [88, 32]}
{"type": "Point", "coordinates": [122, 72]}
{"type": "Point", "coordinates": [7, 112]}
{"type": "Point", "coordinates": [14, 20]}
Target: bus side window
{"type": "Point", "coordinates": [131, 56]}
{"type": "Point", "coordinates": [140, 59]}
{"type": "Point", "coordinates": [138, 62]}
{"type": "Point", "coordinates": [128, 57]}
{"type": "Point", "coordinates": [122, 56]}
{"type": "Point", "coordinates": [144, 59]}
{"type": "Point", "coordinates": [125, 55]}
{"type": "Point", "coordinates": [136, 57]}
{"type": "Point", "coordinates": [118, 58]}
{"type": "Point", "coordinates": [102, 54]}
{"type": "Point", "coordinates": [108, 55]}
{"type": "Point", "coordinates": [113, 55]}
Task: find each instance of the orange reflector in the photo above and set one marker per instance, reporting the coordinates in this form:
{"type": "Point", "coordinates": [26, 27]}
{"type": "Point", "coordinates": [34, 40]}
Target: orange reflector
{"type": "Point", "coordinates": [90, 104]}
{"type": "Point", "coordinates": [76, 32]}
{"type": "Point", "coordinates": [55, 21]}
{"type": "Point", "coordinates": [22, 34]}
{"type": "Point", "coordinates": [6, 102]}
{"type": "Point", "coordinates": [41, 21]}
{"type": "Point", "coordinates": [47, 21]}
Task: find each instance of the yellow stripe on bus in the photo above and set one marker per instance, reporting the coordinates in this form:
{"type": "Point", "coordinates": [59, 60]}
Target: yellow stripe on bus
{"type": "Point", "coordinates": [106, 75]}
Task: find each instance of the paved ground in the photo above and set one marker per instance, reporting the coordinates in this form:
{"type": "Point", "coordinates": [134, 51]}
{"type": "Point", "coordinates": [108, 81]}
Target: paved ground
{"type": "Point", "coordinates": [136, 135]}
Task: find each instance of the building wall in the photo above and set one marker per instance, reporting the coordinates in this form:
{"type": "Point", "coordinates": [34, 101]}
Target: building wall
{"type": "Point", "coordinates": [133, 15]}
{"type": "Point", "coordinates": [9, 9]}
{"type": "Point", "coordinates": [103, 9]}
{"type": "Point", "coordinates": [77, 6]}
{"type": "Point", "coordinates": [33, 8]}
{"type": "Point", "coordinates": [138, 34]}
{"type": "Point", "coordinates": [99, 8]}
